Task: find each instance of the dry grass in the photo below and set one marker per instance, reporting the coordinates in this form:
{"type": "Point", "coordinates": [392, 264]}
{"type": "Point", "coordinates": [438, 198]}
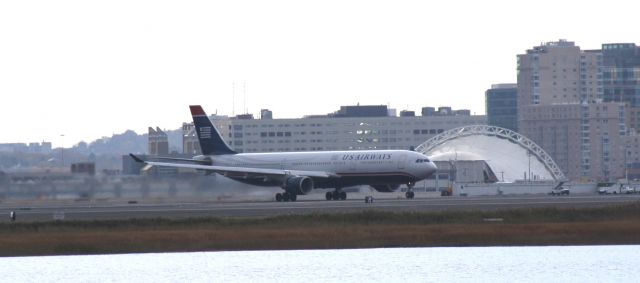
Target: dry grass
{"type": "Point", "coordinates": [613, 225]}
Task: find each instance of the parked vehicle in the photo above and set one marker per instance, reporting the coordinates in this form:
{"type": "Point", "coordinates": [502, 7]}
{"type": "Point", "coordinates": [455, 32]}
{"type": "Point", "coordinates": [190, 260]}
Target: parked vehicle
{"type": "Point", "coordinates": [629, 190]}
{"type": "Point", "coordinates": [560, 191]}
{"type": "Point", "coordinates": [609, 188]}
{"type": "Point", "coordinates": [607, 191]}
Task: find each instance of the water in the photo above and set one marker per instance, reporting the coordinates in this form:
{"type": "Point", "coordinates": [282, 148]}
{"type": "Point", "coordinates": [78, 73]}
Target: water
{"type": "Point", "coordinates": [480, 264]}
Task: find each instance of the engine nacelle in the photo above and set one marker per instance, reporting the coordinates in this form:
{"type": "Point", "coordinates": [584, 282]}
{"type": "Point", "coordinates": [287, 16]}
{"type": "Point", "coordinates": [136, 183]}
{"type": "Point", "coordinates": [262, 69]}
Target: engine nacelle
{"type": "Point", "coordinates": [299, 185]}
{"type": "Point", "coordinates": [386, 188]}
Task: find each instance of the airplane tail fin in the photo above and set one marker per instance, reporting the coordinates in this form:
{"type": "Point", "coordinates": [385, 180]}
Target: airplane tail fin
{"type": "Point", "coordinates": [211, 142]}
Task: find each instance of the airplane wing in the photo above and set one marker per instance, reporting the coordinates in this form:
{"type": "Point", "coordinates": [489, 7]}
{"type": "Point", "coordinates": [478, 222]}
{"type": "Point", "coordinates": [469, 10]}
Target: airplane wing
{"type": "Point", "coordinates": [241, 171]}
{"type": "Point", "coordinates": [183, 160]}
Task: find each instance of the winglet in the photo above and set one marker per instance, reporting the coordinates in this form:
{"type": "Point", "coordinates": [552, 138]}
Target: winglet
{"type": "Point", "coordinates": [137, 159]}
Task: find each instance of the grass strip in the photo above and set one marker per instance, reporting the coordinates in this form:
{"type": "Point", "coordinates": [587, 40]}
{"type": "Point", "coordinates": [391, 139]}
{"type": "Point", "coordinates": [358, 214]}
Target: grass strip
{"type": "Point", "coordinates": [368, 229]}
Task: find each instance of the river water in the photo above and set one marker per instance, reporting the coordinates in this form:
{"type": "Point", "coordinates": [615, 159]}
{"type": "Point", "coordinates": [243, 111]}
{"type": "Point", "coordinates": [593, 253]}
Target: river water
{"type": "Point", "coordinates": [457, 264]}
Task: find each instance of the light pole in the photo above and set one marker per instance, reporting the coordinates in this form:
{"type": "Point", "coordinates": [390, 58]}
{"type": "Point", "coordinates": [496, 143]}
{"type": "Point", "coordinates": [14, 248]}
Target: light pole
{"type": "Point", "coordinates": [529, 155]}
{"type": "Point", "coordinates": [626, 166]}
{"type": "Point", "coordinates": [62, 150]}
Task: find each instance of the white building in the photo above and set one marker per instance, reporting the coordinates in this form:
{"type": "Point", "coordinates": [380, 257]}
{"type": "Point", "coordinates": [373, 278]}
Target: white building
{"type": "Point", "coordinates": [332, 133]}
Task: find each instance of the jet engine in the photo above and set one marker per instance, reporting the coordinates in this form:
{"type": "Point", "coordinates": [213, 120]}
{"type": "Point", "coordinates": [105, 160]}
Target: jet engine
{"type": "Point", "coordinates": [298, 185]}
{"type": "Point", "coordinates": [386, 188]}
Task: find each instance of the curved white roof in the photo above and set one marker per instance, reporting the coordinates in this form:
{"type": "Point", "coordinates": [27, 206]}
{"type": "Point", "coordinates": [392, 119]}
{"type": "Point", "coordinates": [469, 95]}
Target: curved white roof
{"type": "Point", "coordinates": [510, 155]}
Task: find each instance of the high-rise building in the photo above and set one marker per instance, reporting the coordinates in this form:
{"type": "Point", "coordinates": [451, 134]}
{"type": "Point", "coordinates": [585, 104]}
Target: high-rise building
{"type": "Point", "coordinates": [558, 72]}
{"type": "Point", "coordinates": [621, 77]}
{"type": "Point", "coordinates": [560, 92]}
{"type": "Point", "coordinates": [501, 106]}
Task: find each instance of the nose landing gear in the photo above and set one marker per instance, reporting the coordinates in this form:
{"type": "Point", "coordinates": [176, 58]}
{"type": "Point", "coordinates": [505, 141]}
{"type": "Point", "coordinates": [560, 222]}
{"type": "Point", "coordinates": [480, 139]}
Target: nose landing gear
{"type": "Point", "coordinates": [410, 194]}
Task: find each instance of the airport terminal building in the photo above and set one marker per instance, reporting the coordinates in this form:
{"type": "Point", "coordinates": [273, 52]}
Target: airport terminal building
{"type": "Point", "coordinates": [368, 127]}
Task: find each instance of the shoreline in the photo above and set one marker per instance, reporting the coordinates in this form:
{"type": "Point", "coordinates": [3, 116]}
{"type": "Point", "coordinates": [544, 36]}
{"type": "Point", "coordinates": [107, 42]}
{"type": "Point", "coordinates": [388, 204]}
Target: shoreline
{"type": "Point", "coordinates": [368, 229]}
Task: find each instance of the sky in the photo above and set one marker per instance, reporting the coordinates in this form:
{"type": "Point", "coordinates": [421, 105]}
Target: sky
{"type": "Point", "coordinates": [88, 69]}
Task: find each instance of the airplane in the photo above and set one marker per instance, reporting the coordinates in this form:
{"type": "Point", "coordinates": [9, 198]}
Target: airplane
{"type": "Point", "coordinates": [297, 173]}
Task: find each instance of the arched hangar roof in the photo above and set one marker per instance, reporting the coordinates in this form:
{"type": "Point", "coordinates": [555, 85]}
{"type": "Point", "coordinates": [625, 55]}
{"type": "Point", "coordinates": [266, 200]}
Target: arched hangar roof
{"type": "Point", "coordinates": [508, 153]}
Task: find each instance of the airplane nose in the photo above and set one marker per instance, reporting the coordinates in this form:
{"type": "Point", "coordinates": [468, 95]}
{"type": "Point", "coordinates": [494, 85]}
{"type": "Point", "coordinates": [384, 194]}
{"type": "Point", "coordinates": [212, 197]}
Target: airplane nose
{"type": "Point", "coordinates": [427, 169]}
{"type": "Point", "coordinates": [432, 168]}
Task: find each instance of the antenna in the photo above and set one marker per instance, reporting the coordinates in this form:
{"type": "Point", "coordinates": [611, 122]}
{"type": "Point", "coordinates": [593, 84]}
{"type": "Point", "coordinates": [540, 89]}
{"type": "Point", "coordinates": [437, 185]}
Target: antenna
{"type": "Point", "coordinates": [233, 106]}
{"type": "Point", "coordinates": [244, 86]}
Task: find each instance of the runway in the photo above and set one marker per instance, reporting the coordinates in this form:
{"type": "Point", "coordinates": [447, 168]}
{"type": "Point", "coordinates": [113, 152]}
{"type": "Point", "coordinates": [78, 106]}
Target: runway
{"type": "Point", "coordinates": [174, 210]}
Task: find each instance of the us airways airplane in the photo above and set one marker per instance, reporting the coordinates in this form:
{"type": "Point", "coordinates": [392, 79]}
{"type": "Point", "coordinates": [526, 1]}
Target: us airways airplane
{"type": "Point", "coordinates": [297, 173]}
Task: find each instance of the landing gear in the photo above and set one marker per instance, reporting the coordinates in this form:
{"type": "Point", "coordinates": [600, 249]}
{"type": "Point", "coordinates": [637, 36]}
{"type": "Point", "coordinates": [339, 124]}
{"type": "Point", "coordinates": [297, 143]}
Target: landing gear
{"type": "Point", "coordinates": [286, 197]}
{"type": "Point", "coordinates": [409, 194]}
{"type": "Point", "coordinates": [336, 195]}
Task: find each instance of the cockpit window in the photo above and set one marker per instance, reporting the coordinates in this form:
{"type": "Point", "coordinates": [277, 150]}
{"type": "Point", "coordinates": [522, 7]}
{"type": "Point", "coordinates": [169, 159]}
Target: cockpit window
{"type": "Point", "coordinates": [422, 160]}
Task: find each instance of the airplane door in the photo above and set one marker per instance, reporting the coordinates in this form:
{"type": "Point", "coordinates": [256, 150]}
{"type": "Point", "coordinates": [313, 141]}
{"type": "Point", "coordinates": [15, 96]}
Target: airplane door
{"type": "Point", "coordinates": [401, 161]}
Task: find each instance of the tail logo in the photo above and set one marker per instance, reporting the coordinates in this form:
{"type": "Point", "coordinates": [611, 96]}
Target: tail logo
{"type": "Point", "coordinates": [205, 132]}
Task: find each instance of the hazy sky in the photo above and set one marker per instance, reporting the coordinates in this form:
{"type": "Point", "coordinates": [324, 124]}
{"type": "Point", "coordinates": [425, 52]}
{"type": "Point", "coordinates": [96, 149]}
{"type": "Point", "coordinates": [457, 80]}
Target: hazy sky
{"type": "Point", "coordinates": [88, 69]}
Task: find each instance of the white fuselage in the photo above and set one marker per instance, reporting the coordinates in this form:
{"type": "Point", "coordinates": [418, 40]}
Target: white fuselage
{"type": "Point", "coordinates": [369, 167]}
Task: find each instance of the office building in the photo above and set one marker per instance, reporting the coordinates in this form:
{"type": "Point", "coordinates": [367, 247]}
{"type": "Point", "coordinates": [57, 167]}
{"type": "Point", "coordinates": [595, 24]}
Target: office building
{"type": "Point", "coordinates": [353, 129]}
{"type": "Point", "coordinates": [501, 106]}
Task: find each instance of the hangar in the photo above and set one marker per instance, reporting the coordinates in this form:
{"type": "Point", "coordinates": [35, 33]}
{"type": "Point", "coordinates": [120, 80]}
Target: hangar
{"type": "Point", "coordinates": [510, 156]}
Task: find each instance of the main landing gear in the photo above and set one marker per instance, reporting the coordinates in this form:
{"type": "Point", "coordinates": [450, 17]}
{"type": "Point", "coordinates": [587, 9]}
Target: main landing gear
{"type": "Point", "coordinates": [409, 194]}
{"type": "Point", "coordinates": [336, 195]}
{"type": "Point", "coordinates": [285, 197]}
